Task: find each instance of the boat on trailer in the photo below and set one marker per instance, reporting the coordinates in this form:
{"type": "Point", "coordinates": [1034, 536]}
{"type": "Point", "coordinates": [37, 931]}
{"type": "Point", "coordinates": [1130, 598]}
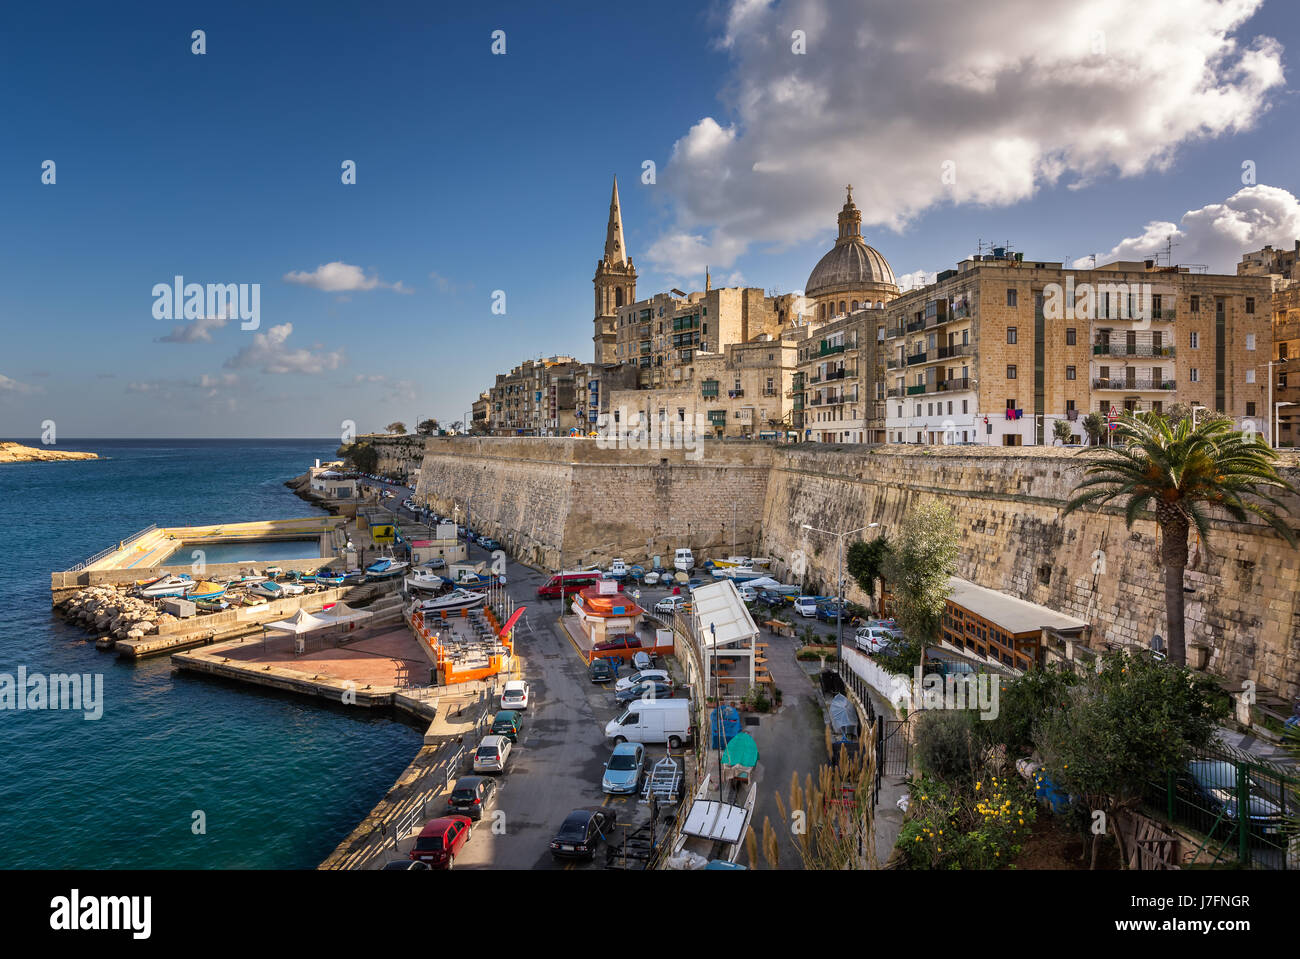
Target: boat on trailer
{"type": "Point", "coordinates": [386, 568]}
{"type": "Point", "coordinates": [169, 586]}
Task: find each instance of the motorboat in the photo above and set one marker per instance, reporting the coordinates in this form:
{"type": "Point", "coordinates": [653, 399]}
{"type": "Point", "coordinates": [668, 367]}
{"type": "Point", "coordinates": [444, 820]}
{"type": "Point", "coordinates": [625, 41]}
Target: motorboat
{"type": "Point", "coordinates": [386, 568]}
{"type": "Point", "coordinates": [268, 590]}
{"type": "Point", "coordinates": [292, 589]}
{"type": "Point", "coordinates": [329, 577]}
{"type": "Point", "coordinates": [252, 579]}
{"type": "Point", "coordinates": [211, 605]}
{"type": "Point", "coordinates": [617, 569]}
{"type": "Point", "coordinates": [456, 599]}
{"type": "Point", "coordinates": [738, 573]}
{"type": "Point", "coordinates": [429, 582]}
{"type": "Point", "coordinates": [652, 578]}
{"type": "Point", "coordinates": [180, 585]}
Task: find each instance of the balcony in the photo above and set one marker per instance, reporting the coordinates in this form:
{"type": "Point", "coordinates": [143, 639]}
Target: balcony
{"type": "Point", "coordinates": [915, 358]}
{"type": "Point", "coordinates": [735, 394]}
{"type": "Point", "coordinates": [917, 390]}
{"type": "Point", "coordinates": [769, 391]}
{"type": "Point", "coordinates": [958, 349]}
{"type": "Point", "coordinates": [1131, 349]}
{"type": "Point", "coordinates": [835, 374]}
{"type": "Point", "coordinates": [955, 384]}
{"type": "Point", "coordinates": [894, 331]}
{"type": "Point", "coordinates": [825, 350]}
{"type": "Point", "coordinates": [1134, 385]}
{"type": "Point", "coordinates": [894, 393]}
{"type": "Point", "coordinates": [893, 364]}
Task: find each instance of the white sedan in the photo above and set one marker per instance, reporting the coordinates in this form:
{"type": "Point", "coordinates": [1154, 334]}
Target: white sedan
{"type": "Point", "coordinates": [514, 695]}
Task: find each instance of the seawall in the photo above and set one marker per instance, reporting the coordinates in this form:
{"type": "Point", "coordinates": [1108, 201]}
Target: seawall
{"type": "Point", "coordinates": [563, 502]}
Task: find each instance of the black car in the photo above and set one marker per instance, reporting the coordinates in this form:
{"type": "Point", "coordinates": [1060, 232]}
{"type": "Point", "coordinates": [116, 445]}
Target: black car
{"type": "Point", "coordinates": [1211, 785]}
{"type": "Point", "coordinates": [642, 690]}
{"type": "Point", "coordinates": [472, 796]}
{"type": "Point", "coordinates": [405, 865]}
{"type": "Point", "coordinates": [600, 671]}
{"type": "Point", "coordinates": [773, 598]}
{"type": "Point", "coordinates": [582, 831]}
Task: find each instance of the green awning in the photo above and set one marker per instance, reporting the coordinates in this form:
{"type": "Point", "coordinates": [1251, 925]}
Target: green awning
{"type": "Point", "coordinates": [741, 751]}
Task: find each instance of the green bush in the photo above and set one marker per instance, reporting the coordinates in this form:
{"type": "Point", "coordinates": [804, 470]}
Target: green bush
{"type": "Point", "coordinates": [946, 746]}
{"type": "Point", "coordinates": [979, 825]}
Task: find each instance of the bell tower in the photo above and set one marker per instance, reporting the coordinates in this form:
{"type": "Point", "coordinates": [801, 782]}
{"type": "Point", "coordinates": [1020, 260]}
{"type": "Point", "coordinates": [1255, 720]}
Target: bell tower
{"type": "Point", "coordinates": [615, 283]}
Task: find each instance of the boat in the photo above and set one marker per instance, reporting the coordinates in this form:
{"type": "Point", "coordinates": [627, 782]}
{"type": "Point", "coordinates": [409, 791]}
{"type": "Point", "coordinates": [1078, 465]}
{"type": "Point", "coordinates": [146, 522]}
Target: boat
{"type": "Point", "coordinates": [386, 568]}
{"type": "Point", "coordinates": [180, 585]}
{"type": "Point", "coordinates": [737, 574]}
{"type": "Point", "coordinates": [617, 569]}
{"type": "Point", "coordinates": [426, 581]}
{"type": "Point", "coordinates": [211, 605]}
{"type": "Point", "coordinates": [291, 588]}
{"type": "Point", "coordinates": [252, 599]}
{"type": "Point", "coordinates": [652, 578]}
{"type": "Point", "coordinates": [267, 590]}
{"type": "Point", "coordinates": [273, 572]}
{"type": "Point", "coordinates": [208, 591]}
{"type": "Point", "coordinates": [252, 579]}
{"type": "Point", "coordinates": [712, 830]}
{"type": "Point", "coordinates": [636, 572]}
{"type": "Point", "coordinates": [354, 576]}
{"type": "Point", "coordinates": [330, 578]}
{"type": "Point", "coordinates": [456, 599]}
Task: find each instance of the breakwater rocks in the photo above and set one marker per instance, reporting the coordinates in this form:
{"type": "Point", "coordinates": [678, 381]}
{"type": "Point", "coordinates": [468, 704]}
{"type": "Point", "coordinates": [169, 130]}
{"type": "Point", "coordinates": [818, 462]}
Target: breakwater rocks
{"type": "Point", "coordinates": [112, 614]}
{"type": "Point", "coordinates": [17, 453]}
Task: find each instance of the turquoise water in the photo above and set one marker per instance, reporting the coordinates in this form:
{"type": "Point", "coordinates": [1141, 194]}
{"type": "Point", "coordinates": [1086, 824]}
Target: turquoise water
{"type": "Point", "coordinates": [255, 552]}
{"type": "Point", "coordinates": [279, 780]}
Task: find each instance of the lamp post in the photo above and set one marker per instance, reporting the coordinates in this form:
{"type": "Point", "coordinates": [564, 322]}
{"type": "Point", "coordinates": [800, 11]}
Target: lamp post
{"type": "Point", "coordinates": [839, 582]}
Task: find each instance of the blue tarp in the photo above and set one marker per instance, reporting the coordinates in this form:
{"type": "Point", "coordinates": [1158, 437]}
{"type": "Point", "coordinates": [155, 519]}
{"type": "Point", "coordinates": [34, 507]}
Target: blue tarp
{"type": "Point", "coordinates": [730, 726]}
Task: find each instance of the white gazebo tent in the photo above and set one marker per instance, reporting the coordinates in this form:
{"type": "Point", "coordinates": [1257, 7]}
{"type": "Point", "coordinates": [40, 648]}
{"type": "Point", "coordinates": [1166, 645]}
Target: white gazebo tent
{"type": "Point", "coordinates": [303, 622]}
{"type": "Point", "coordinates": [725, 629]}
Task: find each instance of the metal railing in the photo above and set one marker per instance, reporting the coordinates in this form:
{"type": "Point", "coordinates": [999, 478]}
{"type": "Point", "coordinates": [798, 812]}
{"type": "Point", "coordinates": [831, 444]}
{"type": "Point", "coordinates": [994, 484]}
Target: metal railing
{"type": "Point", "coordinates": [113, 549]}
{"type": "Point", "coordinates": [1133, 384]}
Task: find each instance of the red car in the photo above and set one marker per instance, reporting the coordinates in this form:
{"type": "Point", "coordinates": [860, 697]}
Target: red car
{"type": "Point", "coordinates": [440, 840]}
{"type": "Point", "coordinates": [625, 641]}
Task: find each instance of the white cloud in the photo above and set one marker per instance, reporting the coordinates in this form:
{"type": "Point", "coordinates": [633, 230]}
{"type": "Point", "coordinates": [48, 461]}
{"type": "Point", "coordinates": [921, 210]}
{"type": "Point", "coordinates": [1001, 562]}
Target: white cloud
{"type": "Point", "coordinates": [1017, 94]}
{"type": "Point", "coordinates": [195, 331]}
{"type": "Point", "coordinates": [339, 277]}
{"type": "Point", "coordinates": [270, 353]}
{"type": "Point", "coordinates": [10, 385]}
{"type": "Point", "coordinates": [916, 279]}
{"type": "Point", "coordinates": [1216, 234]}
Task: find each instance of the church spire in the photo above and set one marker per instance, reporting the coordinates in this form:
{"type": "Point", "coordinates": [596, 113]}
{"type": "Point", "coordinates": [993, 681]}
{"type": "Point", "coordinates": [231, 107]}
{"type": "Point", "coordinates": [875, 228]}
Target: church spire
{"type": "Point", "coordinates": [615, 251]}
{"type": "Point", "coordinates": [850, 220]}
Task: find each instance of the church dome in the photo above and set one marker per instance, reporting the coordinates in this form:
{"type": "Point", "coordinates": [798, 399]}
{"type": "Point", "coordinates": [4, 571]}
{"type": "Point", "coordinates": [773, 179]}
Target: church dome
{"type": "Point", "coordinates": [850, 264]}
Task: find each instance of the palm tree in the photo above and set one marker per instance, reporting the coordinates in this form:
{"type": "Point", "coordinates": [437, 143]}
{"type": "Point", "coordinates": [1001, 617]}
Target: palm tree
{"type": "Point", "coordinates": [1181, 471]}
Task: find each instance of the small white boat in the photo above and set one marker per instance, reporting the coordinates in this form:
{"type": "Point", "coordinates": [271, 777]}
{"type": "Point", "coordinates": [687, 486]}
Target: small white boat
{"type": "Point", "coordinates": [180, 585]}
{"type": "Point", "coordinates": [456, 599]}
{"type": "Point", "coordinates": [268, 590]}
{"type": "Point", "coordinates": [652, 578]}
{"type": "Point", "coordinates": [430, 582]}
{"type": "Point", "coordinates": [292, 589]}
{"type": "Point", "coordinates": [252, 579]}
{"type": "Point", "coordinates": [712, 830]}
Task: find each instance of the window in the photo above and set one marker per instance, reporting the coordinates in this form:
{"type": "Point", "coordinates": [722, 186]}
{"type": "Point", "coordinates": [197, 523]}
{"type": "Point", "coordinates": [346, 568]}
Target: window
{"type": "Point", "coordinates": [1011, 334]}
{"type": "Point", "coordinates": [1011, 371]}
{"type": "Point", "coordinates": [1250, 409]}
{"type": "Point", "coordinates": [1069, 373]}
{"type": "Point", "coordinates": [1011, 296]}
{"type": "Point", "coordinates": [1195, 375]}
{"type": "Point", "coordinates": [1250, 376]}
{"type": "Point", "coordinates": [1069, 406]}
{"type": "Point", "coordinates": [1194, 340]}
{"type": "Point", "coordinates": [1250, 304]}
{"type": "Point", "coordinates": [1070, 338]}
{"type": "Point", "coordinates": [1250, 341]}
{"type": "Point", "coordinates": [964, 404]}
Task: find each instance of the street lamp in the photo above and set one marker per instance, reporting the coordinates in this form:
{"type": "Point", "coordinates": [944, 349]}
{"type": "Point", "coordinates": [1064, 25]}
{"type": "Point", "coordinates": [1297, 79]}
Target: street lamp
{"type": "Point", "coordinates": [839, 582]}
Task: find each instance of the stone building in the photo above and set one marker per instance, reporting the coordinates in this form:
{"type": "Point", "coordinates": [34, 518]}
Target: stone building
{"type": "Point", "coordinates": [615, 282]}
{"type": "Point", "coordinates": [479, 410]}
{"type": "Point", "coordinates": [852, 275]}
{"type": "Point", "coordinates": [1284, 265]}
{"type": "Point", "coordinates": [838, 391]}
{"type": "Point", "coordinates": [1286, 365]}
{"type": "Point", "coordinates": [536, 398]}
{"type": "Point", "coordinates": [998, 350]}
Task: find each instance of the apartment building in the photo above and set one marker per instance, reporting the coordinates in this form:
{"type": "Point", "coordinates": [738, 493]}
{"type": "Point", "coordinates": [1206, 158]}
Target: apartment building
{"type": "Point", "coordinates": [1000, 349]}
{"type": "Point", "coordinates": [838, 388]}
{"type": "Point", "coordinates": [536, 398]}
{"type": "Point", "coordinates": [1285, 401]}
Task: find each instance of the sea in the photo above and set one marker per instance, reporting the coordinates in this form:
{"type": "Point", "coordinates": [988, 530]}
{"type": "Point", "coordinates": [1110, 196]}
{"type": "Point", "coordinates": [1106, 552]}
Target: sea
{"type": "Point", "coordinates": [180, 772]}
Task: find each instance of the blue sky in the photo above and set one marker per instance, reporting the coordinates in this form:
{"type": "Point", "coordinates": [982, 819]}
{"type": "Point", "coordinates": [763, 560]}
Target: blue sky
{"type": "Point", "coordinates": [478, 172]}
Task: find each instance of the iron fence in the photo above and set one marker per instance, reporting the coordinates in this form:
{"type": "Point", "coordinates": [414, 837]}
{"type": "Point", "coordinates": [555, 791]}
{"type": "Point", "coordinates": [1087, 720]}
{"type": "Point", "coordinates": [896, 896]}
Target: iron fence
{"type": "Point", "coordinates": [1207, 798]}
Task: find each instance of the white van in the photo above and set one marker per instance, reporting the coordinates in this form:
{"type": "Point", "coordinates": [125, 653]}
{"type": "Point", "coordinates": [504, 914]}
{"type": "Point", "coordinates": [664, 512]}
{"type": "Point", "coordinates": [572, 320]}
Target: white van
{"type": "Point", "coordinates": [684, 560]}
{"type": "Point", "coordinates": [652, 721]}
{"type": "Point", "coordinates": [806, 605]}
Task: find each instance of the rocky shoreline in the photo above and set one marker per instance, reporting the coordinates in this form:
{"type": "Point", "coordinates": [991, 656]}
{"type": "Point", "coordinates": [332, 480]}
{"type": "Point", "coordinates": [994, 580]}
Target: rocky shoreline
{"type": "Point", "coordinates": [17, 453]}
{"type": "Point", "coordinates": [112, 614]}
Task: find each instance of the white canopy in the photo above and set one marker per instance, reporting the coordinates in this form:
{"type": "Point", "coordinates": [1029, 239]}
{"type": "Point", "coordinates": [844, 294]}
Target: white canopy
{"type": "Point", "coordinates": [300, 622]}
{"type": "Point", "coordinates": [721, 615]}
{"type": "Point", "coordinates": [341, 613]}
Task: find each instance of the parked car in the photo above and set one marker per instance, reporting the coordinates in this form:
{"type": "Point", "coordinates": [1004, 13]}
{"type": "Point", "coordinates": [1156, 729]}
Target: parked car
{"type": "Point", "coordinates": [873, 639]}
{"type": "Point", "coordinates": [748, 594]}
{"type": "Point", "coordinates": [773, 597]}
{"type": "Point", "coordinates": [642, 660]}
{"type": "Point", "coordinates": [515, 694]}
{"type": "Point", "coordinates": [405, 865]}
{"type": "Point", "coordinates": [828, 609]}
{"type": "Point", "coordinates": [507, 723]}
{"type": "Point", "coordinates": [806, 605]}
{"type": "Point", "coordinates": [601, 670]}
{"type": "Point", "coordinates": [652, 721]}
{"type": "Point", "coordinates": [641, 675]}
{"type": "Point", "coordinates": [441, 840]}
{"type": "Point", "coordinates": [582, 831]}
{"type": "Point", "coordinates": [436, 563]}
{"type": "Point", "coordinates": [472, 795]}
{"type": "Point", "coordinates": [623, 641]}
{"type": "Point", "coordinates": [1211, 784]}
{"type": "Point", "coordinates": [489, 543]}
{"type": "Point", "coordinates": [650, 689]}
{"type": "Point", "coordinates": [669, 604]}
{"type": "Point", "coordinates": [492, 754]}
{"type": "Point", "coordinates": [625, 769]}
